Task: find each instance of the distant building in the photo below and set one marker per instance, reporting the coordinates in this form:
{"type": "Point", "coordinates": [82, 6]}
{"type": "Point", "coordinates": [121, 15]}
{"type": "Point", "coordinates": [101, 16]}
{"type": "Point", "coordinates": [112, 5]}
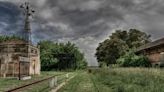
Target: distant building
{"type": "Point", "coordinates": [154, 51]}
{"type": "Point", "coordinates": [19, 57]}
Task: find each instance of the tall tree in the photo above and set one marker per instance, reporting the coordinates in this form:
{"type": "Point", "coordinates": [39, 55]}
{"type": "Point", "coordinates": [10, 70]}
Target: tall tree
{"type": "Point", "coordinates": [110, 50]}
{"type": "Point", "coordinates": [119, 43]}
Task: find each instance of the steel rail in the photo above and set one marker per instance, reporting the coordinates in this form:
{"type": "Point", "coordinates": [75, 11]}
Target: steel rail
{"type": "Point", "coordinates": [36, 82]}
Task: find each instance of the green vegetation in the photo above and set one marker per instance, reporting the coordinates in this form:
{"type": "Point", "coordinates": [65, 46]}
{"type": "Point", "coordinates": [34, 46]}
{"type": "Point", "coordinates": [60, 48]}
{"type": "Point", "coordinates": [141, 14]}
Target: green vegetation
{"type": "Point", "coordinates": [118, 44]}
{"type": "Point", "coordinates": [117, 80]}
{"type": "Point", "coordinates": [60, 56]}
{"type": "Point", "coordinates": [10, 83]}
{"type": "Point", "coordinates": [131, 79]}
{"type": "Point", "coordinates": [80, 83]}
{"type": "Point", "coordinates": [7, 38]}
{"type": "Point", "coordinates": [99, 80]}
{"type": "Point", "coordinates": [44, 86]}
{"type": "Point", "coordinates": [132, 60]}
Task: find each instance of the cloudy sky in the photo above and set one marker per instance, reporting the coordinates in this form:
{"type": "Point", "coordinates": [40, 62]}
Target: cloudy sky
{"type": "Point", "coordinates": [84, 22]}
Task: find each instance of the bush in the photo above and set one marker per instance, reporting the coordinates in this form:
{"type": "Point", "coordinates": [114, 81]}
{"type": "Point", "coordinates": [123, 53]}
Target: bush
{"type": "Point", "coordinates": [130, 59]}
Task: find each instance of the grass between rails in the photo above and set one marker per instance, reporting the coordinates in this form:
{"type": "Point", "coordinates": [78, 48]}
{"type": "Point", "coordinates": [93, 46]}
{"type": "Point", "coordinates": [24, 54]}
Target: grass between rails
{"type": "Point", "coordinates": [117, 80]}
{"type": "Point", "coordinates": [80, 83]}
{"type": "Point", "coordinates": [8, 83]}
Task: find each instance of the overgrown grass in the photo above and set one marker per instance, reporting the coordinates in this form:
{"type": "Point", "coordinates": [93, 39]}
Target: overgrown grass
{"type": "Point", "coordinates": [130, 79]}
{"type": "Point", "coordinates": [102, 80]}
{"type": "Point", "coordinates": [8, 83]}
{"type": "Point", "coordinates": [80, 83]}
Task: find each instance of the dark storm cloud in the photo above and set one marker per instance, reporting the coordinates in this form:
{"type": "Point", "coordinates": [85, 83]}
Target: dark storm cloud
{"type": "Point", "coordinates": [10, 16]}
{"type": "Point", "coordinates": [85, 22]}
{"type": "Point", "coordinates": [82, 18]}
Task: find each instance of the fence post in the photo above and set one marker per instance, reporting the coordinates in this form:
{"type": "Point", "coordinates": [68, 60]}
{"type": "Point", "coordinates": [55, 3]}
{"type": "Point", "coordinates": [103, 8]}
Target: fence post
{"type": "Point", "coordinates": [67, 75]}
{"type": "Point", "coordinates": [51, 83]}
{"type": "Point", "coordinates": [56, 81]}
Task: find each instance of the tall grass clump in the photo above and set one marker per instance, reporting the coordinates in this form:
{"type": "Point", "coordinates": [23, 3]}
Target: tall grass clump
{"type": "Point", "coordinates": [131, 79]}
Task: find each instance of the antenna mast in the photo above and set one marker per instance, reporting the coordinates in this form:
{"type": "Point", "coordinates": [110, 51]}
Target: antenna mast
{"type": "Point", "coordinates": [27, 11]}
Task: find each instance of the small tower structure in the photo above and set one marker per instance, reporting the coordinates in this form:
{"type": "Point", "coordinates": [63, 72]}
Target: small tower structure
{"type": "Point", "coordinates": [28, 12]}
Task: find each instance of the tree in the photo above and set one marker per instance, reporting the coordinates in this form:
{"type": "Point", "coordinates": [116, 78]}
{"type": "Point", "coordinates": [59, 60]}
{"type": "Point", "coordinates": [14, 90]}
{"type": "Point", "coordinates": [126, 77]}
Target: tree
{"type": "Point", "coordinates": [137, 38]}
{"type": "Point", "coordinates": [61, 56]}
{"type": "Point", "coordinates": [119, 43]}
{"type": "Point", "coordinates": [47, 59]}
{"type": "Point", "coordinates": [110, 50]}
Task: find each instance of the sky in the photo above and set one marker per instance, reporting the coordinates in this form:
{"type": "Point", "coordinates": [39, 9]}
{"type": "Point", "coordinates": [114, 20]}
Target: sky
{"type": "Point", "coordinates": [83, 22]}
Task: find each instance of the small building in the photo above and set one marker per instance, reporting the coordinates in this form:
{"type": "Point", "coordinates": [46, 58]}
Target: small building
{"type": "Point", "coordinates": [154, 51]}
{"type": "Point", "coordinates": [17, 57]}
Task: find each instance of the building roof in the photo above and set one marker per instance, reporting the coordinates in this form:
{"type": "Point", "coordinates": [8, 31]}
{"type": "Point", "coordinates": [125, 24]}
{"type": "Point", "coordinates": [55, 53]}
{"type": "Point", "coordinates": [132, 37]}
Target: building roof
{"type": "Point", "coordinates": [13, 41]}
{"type": "Point", "coordinates": [152, 44]}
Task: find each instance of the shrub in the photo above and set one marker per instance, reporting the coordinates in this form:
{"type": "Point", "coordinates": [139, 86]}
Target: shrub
{"type": "Point", "coordinates": [130, 59]}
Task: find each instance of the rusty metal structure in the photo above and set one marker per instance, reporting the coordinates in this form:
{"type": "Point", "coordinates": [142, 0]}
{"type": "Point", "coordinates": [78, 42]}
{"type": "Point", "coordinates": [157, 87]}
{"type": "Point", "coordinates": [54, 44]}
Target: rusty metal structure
{"type": "Point", "coordinates": [20, 57]}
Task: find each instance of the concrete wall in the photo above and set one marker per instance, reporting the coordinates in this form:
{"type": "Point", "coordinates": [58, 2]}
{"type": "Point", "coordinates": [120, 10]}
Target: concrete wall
{"type": "Point", "coordinates": [153, 58]}
{"type": "Point", "coordinates": [10, 66]}
{"type": "Point", "coordinates": [154, 54]}
{"type": "Point", "coordinates": [35, 66]}
{"type": "Point", "coordinates": [35, 61]}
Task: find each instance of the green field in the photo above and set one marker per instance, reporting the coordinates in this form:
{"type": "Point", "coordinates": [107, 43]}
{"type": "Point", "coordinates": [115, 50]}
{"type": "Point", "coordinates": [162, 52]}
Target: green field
{"type": "Point", "coordinates": [117, 80]}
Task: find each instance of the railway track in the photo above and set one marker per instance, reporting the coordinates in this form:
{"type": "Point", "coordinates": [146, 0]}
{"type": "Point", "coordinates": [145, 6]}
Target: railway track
{"type": "Point", "coordinates": [83, 82]}
{"type": "Point", "coordinates": [31, 84]}
{"type": "Point", "coordinates": [94, 84]}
